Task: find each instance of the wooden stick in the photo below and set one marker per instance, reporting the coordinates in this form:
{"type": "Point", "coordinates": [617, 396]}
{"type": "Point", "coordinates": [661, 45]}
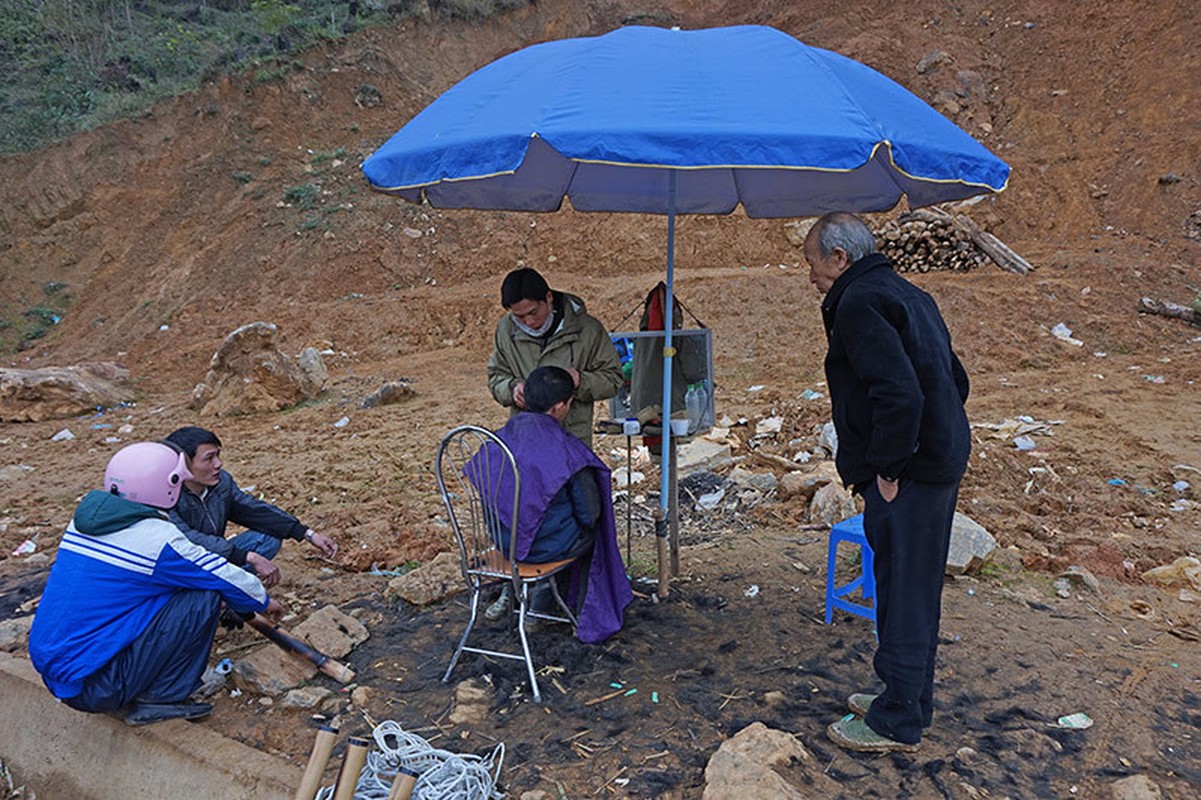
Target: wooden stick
{"type": "Point", "coordinates": [337, 671]}
{"type": "Point", "coordinates": [352, 764]}
{"type": "Point", "coordinates": [605, 697]}
{"type": "Point", "coordinates": [1168, 309]}
{"type": "Point", "coordinates": [311, 781]}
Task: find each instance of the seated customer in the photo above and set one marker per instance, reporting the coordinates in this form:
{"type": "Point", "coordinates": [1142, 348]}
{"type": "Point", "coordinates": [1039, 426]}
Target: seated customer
{"type": "Point", "coordinates": [565, 506]}
{"type": "Point", "coordinates": [568, 523]}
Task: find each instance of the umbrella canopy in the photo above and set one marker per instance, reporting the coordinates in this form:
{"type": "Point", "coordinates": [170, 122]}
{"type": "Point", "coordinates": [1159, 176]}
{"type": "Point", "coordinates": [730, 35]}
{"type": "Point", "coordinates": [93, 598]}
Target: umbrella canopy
{"type": "Point", "coordinates": [742, 115]}
{"type": "Point", "coordinates": [693, 122]}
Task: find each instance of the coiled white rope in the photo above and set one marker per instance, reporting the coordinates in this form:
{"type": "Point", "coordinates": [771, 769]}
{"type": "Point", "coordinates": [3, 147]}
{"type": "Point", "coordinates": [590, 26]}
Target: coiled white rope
{"type": "Point", "coordinates": [441, 775]}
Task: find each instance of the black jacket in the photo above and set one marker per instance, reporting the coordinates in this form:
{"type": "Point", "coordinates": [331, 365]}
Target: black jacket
{"type": "Point", "coordinates": [203, 519]}
{"type": "Point", "coordinates": [896, 387]}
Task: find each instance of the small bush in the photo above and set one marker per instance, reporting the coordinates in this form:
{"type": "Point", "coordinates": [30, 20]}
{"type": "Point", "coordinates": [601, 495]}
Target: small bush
{"type": "Point", "coordinates": [302, 196]}
{"type": "Point", "coordinates": [243, 177]}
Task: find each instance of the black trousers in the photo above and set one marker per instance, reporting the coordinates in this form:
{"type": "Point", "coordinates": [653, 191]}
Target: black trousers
{"type": "Point", "coordinates": [909, 539]}
{"type": "Point", "coordinates": [162, 665]}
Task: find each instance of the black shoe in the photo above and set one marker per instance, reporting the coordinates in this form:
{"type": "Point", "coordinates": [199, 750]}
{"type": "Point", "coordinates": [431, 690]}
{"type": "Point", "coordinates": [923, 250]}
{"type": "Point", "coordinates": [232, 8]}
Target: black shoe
{"type": "Point", "coordinates": [147, 713]}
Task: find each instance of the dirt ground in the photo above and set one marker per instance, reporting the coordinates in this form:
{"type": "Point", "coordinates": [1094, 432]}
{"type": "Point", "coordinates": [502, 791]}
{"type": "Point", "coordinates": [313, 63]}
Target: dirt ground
{"type": "Point", "coordinates": [172, 229]}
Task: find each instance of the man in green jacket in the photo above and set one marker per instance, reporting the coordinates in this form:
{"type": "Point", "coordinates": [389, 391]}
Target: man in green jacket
{"type": "Point", "coordinates": [551, 328]}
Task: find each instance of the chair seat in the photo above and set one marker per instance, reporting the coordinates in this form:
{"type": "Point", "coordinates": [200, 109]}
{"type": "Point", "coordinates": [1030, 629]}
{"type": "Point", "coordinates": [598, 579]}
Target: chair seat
{"type": "Point", "coordinates": [493, 564]}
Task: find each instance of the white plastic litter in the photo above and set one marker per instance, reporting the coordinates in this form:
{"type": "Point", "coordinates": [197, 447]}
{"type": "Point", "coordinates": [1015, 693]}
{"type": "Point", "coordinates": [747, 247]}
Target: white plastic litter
{"type": "Point", "coordinates": [441, 775]}
{"type": "Point", "coordinates": [1064, 334]}
{"type": "Point", "coordinates": [342, 423]}
{"type": "Point", "coordinates": [64, 435]}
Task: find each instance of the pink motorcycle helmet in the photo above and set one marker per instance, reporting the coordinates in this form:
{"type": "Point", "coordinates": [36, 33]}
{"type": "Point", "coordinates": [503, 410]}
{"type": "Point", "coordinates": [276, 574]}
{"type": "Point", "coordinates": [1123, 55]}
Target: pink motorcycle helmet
{"type": "Point", "coordinates": [151, 473]}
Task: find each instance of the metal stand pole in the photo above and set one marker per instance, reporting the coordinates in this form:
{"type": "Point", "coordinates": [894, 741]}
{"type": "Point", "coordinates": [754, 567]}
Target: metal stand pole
{"type": "Point", "coordinates": [629, 496]}
{"type": "Point", "coordinates": [674, 509]}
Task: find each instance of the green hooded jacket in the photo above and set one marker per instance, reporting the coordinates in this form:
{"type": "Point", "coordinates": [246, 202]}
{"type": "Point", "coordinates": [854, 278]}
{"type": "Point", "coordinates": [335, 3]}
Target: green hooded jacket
{"type": "Point", "coordinates": [579, 342]}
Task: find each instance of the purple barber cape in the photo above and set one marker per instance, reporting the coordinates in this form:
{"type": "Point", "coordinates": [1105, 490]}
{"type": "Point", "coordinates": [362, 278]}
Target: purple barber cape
{"type": "Point", "coordinates": [547, 456]}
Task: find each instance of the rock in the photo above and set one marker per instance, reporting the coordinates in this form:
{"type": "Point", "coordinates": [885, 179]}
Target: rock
{"type": "Point", "coordinates": [832, 503]}
{"type": "Point", "coordinates": [391, 392]}
{"type": "Point", "coordinates": [15, 472]}
{"type": "Point", "coordinates": [430, 582]}
{"type": "Point", "coordinates": [1081, 576]}
{"type": "Point", "coordinates": [774, 698]}
{"type": "Point", "coordinates": [34, 395]}
{"type": "Point", "coordinates": [249, 374]}
{"type": "Point", "coordinates": [14, 634]}
{"type": "Point", "coordinates": [313, 373]}
{"type": "Point", "coordinates": [763, 482]}
{"type": "Point", "coordinates": [702, 454]}
{"type": "Point", "coordinates": [306, 697]}
{"type": "Point", "coordinates": [332, 631]}
{"type": "Point", "coordinates": [828, 439]}
{"type": "Point", "coordinates": [1135, 787]}
{"type": "Point", "coordinates": [471, 704]}
{"type": "Point", "coordinates": [362, 696]}
{"type": "Point", "coordinates": [270, 670]}
{"type": "Point", "coordinates": [971, 546]}
{"type": "Point", "coordinates": [1185, 570]}
{"type": "Point", "coordinates": [804, 485]}
{"type": "Point", "coordinates": [743, 768]}
{"type": "Point", "coordinates": [933, 60]}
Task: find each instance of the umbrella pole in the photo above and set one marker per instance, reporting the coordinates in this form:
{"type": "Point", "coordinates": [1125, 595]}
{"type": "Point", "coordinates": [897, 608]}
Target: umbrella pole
{"type": "Point", "coordinates": [667, 510]}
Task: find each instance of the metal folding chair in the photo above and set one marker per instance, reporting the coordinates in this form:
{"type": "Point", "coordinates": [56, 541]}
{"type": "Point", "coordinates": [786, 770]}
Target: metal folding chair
{"type": "Point", "coordinates": [478, 477]}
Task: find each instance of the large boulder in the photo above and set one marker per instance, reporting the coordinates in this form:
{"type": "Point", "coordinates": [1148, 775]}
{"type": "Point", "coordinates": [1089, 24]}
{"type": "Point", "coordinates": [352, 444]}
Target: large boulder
{"type": "Point", "coordinates": [33, 395]}
{"type": "Point", "coordinates": [249, 374]}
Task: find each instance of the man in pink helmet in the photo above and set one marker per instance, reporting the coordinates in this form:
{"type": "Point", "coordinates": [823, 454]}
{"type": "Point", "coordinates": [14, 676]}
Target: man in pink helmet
{"type": "Point", "coordinates": [130, 608]}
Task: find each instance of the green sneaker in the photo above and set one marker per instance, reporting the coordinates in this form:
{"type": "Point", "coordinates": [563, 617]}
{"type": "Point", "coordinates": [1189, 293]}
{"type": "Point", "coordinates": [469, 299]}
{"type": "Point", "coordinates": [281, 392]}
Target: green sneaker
{"type": "Point", "coordinates": [502, 605]}
{"type": "Point", "coordinates": [852, 733]}
{"type": "Point", "coordinates": [860, 702]}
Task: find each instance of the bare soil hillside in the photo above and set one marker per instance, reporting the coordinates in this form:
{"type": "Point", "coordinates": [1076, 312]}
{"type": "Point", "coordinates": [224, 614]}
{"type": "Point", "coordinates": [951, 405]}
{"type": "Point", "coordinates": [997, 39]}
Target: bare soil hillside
{"type": "Point", "coordinates": [243, 202]}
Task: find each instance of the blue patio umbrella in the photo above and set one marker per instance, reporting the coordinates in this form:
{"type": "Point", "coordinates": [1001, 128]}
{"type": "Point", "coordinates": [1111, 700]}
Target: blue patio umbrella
{"type": "Point", "coordinates": [681, 122]}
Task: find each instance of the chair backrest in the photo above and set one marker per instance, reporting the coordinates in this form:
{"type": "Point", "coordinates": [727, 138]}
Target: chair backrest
{"type": "Point", "coordinates": [480, 487]}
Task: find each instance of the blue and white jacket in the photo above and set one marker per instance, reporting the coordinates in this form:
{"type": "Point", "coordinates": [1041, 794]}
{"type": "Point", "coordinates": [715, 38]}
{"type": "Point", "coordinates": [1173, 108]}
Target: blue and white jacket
{"type": "Point", "coordinates": [117, 565]}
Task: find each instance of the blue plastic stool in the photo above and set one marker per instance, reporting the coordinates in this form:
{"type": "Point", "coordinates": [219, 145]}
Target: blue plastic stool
{"type": "Point", "coordinates": [851, 531]}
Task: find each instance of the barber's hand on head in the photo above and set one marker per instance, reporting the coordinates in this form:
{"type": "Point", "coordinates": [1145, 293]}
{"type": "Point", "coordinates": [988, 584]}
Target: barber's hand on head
{"type": "Point", "coordinates": [326, 545]}
{"type": "Point", "coordinates": [274, 610]}
{"type": "Point", "coordinates": [519, 395]}
{"type": "Point", "coordinates": [575, 377]}
{"type": "Point", "coordinates": [888, 489]}
{"type": "Point", "coordinates": [268, 573]}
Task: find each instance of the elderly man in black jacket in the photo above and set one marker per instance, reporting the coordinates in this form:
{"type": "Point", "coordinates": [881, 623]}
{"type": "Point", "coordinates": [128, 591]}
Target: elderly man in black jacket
{"type": "Point", "coordinates": [898, 394]}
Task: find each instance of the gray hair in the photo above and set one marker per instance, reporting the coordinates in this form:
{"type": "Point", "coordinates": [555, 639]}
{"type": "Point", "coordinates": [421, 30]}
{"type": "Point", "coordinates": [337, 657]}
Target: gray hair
{"type": "Point", "coordinates": [846, 231]}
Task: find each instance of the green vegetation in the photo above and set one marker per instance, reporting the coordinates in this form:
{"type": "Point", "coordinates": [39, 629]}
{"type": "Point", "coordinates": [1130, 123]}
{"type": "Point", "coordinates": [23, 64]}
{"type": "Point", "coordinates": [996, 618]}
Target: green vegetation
{"type": "Point", "coordinates": [20, 329]}
{"type": "Point", "coordinates": [70, 65]}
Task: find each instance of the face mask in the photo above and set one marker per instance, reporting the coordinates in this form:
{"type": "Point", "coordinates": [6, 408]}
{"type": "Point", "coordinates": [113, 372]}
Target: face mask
{"type": "Point", "coordinates": [540, 332]}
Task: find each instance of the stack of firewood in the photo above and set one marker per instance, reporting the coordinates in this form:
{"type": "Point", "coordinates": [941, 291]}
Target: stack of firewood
{"type": "Point", "coordinates": [919, 245]}
{"type": "Point", "coordinates": [931, 239]}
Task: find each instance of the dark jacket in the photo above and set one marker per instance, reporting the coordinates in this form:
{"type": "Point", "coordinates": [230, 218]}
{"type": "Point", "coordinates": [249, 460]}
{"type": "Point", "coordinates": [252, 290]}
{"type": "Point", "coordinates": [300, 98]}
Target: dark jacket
{"type": "Point", "coordinates": [568, 523]}
{"type": "Point", "coordinates": [896, 387]}
{"type": "Point", "coordinates": [203, 519]}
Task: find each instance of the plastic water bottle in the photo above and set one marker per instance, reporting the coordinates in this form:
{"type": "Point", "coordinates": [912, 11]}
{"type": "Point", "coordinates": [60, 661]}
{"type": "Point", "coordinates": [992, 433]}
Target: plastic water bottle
{"type": "Point", "coordinates": [693, 406]}
{"type": "Point", "coordinates": [702, 416]}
